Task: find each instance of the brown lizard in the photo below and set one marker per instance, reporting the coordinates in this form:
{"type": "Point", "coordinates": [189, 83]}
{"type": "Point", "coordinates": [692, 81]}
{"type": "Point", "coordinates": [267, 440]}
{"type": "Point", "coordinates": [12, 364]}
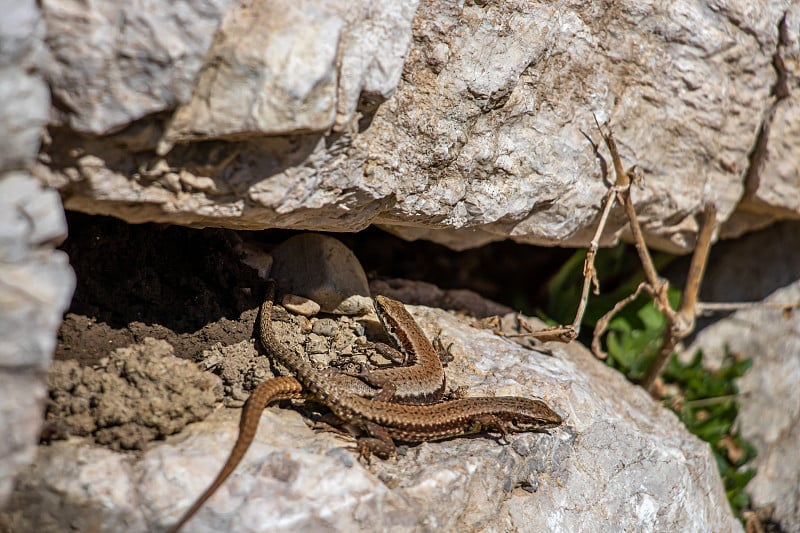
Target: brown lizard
{"type": "Point", "coordinates": [385, 421]}
{"type": "Point", "coordinates": [420, 381]}
{"type": "Point", "coordinates": [382, 421]}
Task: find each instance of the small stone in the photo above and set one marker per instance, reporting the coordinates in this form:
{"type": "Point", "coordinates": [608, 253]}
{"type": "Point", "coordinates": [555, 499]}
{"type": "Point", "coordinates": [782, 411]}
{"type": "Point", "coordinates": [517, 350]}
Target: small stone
{"type": "Point", "coordinates": [323, 269]}
{"type": "Point", "coordinates": [316, 344]}
{"type": "Point", "coordinates": [300, 305]}
{"type": "Point", "coordinates": [326, 327]}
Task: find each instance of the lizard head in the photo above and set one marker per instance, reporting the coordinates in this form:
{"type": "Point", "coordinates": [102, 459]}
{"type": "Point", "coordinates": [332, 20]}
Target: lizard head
{"type": "Point", "coordinates": [392, 315]}
{"type": "Point", "coordinates": [533, 415]}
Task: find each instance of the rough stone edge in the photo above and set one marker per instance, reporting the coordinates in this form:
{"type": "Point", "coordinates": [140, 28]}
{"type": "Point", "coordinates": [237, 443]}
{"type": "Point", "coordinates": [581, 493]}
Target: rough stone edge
{"type": "Point", "coordinates": [37, 281]}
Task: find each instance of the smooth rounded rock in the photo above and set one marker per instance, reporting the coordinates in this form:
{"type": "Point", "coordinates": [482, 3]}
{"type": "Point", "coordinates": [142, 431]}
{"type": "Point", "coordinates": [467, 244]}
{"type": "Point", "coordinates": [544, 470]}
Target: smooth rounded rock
{"type": "Point", "coordinates": [322, 269]}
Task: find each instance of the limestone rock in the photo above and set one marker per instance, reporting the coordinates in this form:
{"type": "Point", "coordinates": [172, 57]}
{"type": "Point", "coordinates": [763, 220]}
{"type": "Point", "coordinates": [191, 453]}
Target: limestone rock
{"type": "Point", "coordinates": [773, 181]}
{"type": "Point", "coordinates": [292, 66]}
{"type": "Point", "coordinates": [112, 63]}
{"type": "Point", "coordinates": [484, 136]}
{"type": "Point", "coordinates": [770, 405]}
{"type": "Point", "coordinates": [37, 282]}
{"type": "Point", "coordinates": [663, 478]}
{"type": "Point", "coordinates": [36, 289]}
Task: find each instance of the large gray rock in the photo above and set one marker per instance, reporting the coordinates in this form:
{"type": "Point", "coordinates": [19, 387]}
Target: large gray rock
{"type": "Point", "coordinates": [770, 405]}
{"type": "Point", "coordinates": [620, 462]}
{"type": "Point", "coordinates": [37, 285]}
{"type": "Point", "coordinates": [484, 138]}
{"type": "Point", "coordinates": [24, 94]}
{"type": "Point", "coordinates": [772, 182]}
{"type": "Point", "coordinates": [36, 288]}
{"type": "Point", "coordinates": [111, 63]}
{"type": "Point", "coordinates": [37, 282]}
{"type": "Point", "coordinates": [292, 66]}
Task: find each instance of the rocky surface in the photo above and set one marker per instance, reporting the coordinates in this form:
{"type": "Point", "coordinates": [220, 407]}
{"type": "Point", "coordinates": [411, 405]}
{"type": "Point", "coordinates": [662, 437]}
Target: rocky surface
{"type": "Point", "coordinates": [664, 478]}
{"type": "Point", "coordinates": [772, 181]}
{"type": "Point", "coordinates": [112, 63]}
{"type": "Point", "coordinates": [460, 123]}
{"type": "Point", "coordinates": [36, 282]}
{"type": "Point", "coordinates": [287, 67]}
{"type": "Point", "coordinates": [770, 400]}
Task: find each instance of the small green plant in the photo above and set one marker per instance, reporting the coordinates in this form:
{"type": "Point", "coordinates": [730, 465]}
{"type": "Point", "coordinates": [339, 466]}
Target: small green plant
{"type": "Point", "coordinates": [706, 401]}
{"type": "Point", "coordinates": [635, 333]}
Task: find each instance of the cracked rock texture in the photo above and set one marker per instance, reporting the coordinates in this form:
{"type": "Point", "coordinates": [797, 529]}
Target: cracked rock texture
{"type": "Point", "coordinates": [773, 182]}
{"type": "Point", "coordinates": [461, 123]}
{"type": "Point", "coordinates": [36, 282]}
{"type": "Point", "coordinates": [620, 462]}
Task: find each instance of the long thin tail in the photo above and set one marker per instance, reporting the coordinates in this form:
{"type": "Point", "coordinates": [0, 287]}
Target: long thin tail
{"type": "Point", "coordinates": [282, 388]}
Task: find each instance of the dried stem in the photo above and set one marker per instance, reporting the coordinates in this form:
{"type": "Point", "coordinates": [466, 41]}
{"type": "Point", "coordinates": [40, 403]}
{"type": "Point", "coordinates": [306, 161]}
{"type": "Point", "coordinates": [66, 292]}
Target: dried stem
{"type": "Point", "coordinates": [697, 268]}
{"type": "Point", "coordinates": [704, 308]}
{"type": "Point", "coordinates": [716, 400]}
{"type": "Point", "coordinates": [680, 323]}
{"type": "Point", "coordinates": [602, 324]}
{"type": "Point", "coordinates": [570, 332]}
{"type": "Point", "coordinates": [589, 272]}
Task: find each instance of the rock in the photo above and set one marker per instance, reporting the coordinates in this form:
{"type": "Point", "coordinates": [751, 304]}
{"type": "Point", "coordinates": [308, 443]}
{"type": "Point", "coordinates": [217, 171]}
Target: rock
{"type": "Point", "coordinates": [484, 136]}
{"type": "Point", "coordinates": [37, 282]}
{"type": "Point", "coordinates": [322, 269]}
{"type": "Point", "coordinates": [36, 288]}
{"type": "Point", "coordinates": [664, 479]}
{"type": "Point", "coordinates": [769, 416]}
{"type": "Point", "coordinates": [286, 67]}
{"type": "Point", "coordinates": [25, 96]}
{"type": "Point", "coordinates": [772, 182]}
{"type": "Point", "coordinates": [113, 63]}
{"type": "Point", "coordinates": [20, 123]}
{"type": "Point", "coordinates": [300, 305]}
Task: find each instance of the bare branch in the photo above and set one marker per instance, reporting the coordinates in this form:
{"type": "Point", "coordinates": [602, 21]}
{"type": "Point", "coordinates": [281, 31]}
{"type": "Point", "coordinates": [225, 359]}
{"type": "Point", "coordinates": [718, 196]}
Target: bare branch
{"type": "Point", "coordinates": [697, 268]}
{"type": "Point", "coordinates": [707, 308]}
{"type": "Point", "coordinates": [681, 324]}
{"type": "Point", "coordinates": [589, 272]}
{"type": "Point", "coordinates": [602, 324]}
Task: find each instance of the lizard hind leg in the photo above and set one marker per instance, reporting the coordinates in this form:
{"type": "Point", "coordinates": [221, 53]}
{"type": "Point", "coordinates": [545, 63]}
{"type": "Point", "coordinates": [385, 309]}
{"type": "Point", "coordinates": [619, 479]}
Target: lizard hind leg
{"type": "Point", "coordinates": [386, 387]}
{"type": "Point", "coordinates": [379, 442]}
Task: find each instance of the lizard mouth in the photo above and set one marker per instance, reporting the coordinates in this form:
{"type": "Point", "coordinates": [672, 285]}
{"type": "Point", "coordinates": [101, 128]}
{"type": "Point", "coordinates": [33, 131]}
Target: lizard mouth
{"type": "Point", "coordinates": [534, 425]}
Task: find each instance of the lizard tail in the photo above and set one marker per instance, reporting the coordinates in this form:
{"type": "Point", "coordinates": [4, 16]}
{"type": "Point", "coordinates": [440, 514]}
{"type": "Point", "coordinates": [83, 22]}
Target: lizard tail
{"type": "Point", "coordinates": [282, 388]}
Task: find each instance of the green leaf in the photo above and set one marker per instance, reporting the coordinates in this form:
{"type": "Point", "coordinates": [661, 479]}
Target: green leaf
{"type": "Point", "coordinates": [715, 420]}
{"type": "Point", "coordinates": [634, 336]}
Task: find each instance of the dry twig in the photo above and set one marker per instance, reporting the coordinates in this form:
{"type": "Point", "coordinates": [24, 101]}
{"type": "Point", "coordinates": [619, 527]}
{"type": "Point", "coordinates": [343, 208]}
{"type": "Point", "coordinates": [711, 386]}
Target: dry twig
{"type": "Point", "coordinates": [680, 323]}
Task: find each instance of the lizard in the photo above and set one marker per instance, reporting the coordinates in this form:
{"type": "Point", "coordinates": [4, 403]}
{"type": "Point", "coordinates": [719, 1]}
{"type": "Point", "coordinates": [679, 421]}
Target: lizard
{"type": "Point", "coordinates": [383, 421]}
{"type": "Point", "coordinates": [421, 382]}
